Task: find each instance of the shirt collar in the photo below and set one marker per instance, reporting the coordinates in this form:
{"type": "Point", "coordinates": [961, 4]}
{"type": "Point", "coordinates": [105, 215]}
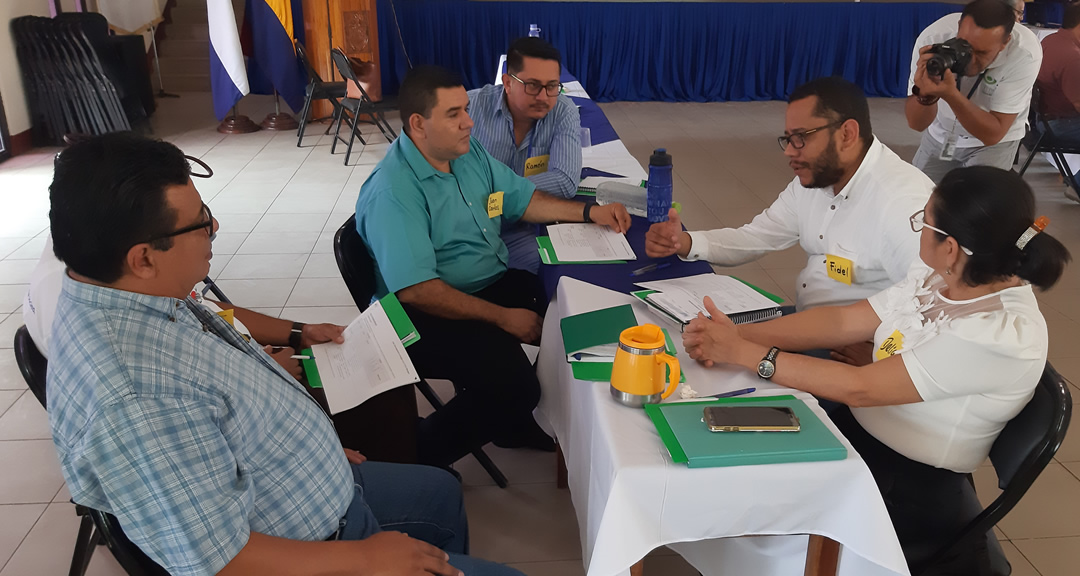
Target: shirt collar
{"type": "Point", "coordinates": [420, 165]}
{"type": "Point", "coordinates": [114, 299]}
{"type": "Point", "coordinates": [865, 167]}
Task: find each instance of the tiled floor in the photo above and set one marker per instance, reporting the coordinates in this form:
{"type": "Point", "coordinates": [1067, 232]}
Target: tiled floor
{"type": "Point", "coordinates": [279, 206]}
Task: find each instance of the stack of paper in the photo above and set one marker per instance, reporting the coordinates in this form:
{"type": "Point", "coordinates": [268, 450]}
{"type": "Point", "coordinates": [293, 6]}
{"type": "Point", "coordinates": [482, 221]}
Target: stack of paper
{"type": "Point", "coordinates": [581, 243]}
{"type": "Point", "coordinates": [682, 299]}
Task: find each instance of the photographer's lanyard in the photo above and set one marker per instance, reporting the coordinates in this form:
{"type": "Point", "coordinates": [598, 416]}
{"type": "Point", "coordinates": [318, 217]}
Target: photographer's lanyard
{"type": "Point", "coordinates": [949, 149]}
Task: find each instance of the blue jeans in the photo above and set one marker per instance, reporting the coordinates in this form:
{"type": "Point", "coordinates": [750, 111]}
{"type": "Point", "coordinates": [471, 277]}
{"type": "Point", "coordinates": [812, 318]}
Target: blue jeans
{"type": "Point", "coordinates": [420, 501]}
{"type": "Point", "coordinates": [520, 240]}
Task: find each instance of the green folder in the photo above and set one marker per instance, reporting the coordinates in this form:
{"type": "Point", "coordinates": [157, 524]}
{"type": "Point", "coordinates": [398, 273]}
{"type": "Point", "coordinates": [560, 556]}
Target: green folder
{"type": "Point", "coordinates": [688, 440]}
{"type": "Point", "coordinates": [595, 334]}
{"type": "Point", "coordinates": [404, 328]}
{"type": "Point", "coordinates": [547, 254]}
{"type": "Point", "coordinates": [601, 371]}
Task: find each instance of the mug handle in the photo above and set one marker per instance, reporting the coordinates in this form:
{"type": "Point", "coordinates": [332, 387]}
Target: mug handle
{"type": "Point", "coordinates": [673, 364]}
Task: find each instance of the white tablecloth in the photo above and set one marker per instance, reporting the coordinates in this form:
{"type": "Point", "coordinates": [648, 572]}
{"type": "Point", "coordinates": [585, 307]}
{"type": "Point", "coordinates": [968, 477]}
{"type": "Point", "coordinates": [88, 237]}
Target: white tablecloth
{"type": "Point", "coordinates": [630, 498]}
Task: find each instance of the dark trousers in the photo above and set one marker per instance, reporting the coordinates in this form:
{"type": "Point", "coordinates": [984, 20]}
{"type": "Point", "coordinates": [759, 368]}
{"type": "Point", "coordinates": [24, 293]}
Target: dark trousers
{"type": "Point", "coordinates": [928, 505]}
{"type": "Point", "coordinates": [496, 386]}
{"type": "Point", "coordinates": [383, 428]}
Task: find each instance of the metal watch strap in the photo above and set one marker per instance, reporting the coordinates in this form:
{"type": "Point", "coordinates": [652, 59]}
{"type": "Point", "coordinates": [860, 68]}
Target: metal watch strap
{"type": "Point", "coordinates": [295, 334]}
{"type": "Point", "coordinates": [771, 356]}
{"type": "Point", "coordinates": [585, 215]}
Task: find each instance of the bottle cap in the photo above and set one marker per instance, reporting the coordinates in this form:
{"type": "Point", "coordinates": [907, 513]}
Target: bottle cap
{"type": "Point", "coordinates": [660, 157]}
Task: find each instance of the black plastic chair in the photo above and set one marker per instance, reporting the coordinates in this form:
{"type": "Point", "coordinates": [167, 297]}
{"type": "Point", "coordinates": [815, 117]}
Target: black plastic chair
{"type": "Point", "coordinates": [96, 527]}
{"type": "Point", "coordinates": [1024, 448]}
{"type": "Point", "coordinates": [362, 106]}
{"type": "Point", "coordinates": [1048, 142]}
{"type": "Point", "coordinates": [358, 270]}
{"type": "Point", "coordinates": [316, 89]}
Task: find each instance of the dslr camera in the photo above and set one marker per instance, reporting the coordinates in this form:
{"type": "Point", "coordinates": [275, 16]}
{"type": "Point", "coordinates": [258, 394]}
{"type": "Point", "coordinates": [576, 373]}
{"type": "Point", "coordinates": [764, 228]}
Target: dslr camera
{"type": "Point", "coordinates": [953, 54]}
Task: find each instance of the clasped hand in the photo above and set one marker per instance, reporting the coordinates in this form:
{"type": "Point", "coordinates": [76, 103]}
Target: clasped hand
{"type": "Point", "coordinates": [711, 340]}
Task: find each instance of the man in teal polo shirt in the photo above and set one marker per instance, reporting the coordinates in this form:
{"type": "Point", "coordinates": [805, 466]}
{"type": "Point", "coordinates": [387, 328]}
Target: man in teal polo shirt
{"type": "Point", "coordinates": [431, 214]}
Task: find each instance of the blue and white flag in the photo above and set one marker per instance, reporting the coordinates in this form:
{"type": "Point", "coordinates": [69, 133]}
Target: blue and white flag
{"type": "Point", "coordinates": [228, 76]}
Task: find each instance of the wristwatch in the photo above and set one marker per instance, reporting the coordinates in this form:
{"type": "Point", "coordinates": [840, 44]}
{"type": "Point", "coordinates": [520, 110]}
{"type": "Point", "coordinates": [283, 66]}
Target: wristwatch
{"type": "Point", "coordinates": [586, 217]}
{"type": "Point", "coordinates": [295, 335]}
{"type": "Point", "coordinates": [767, 367]}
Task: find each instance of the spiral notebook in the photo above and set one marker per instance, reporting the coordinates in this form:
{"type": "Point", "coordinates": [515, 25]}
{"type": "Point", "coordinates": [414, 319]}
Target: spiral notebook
{"type": "Point", "coordinates": [681, 299]}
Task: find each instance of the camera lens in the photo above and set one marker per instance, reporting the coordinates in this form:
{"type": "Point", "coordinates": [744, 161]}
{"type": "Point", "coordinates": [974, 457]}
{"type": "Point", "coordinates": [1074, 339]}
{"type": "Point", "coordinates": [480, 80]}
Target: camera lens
{"type": "Point", "coordinates": [937, 66]}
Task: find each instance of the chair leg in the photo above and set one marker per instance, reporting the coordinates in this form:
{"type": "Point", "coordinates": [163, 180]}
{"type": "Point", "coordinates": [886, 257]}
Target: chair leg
{"type": "Point", "coordinates": [337, 106]}
{"type": "Point", "coordinates": [336, 125]}
{"type": "Point", "coordinates": [485, 461]}
{"type": "Point", "coordinates": [1034, 150]}
{"type": "Point", "coordinates": [353, 135]}
{"type": "Point", "coordinates": [303, 120]}
{"type": "Point", "coordinates": [85, 544]}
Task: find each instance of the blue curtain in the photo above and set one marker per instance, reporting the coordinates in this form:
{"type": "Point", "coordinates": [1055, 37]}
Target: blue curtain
{"type": "Point", "coordinates": [670, 51]}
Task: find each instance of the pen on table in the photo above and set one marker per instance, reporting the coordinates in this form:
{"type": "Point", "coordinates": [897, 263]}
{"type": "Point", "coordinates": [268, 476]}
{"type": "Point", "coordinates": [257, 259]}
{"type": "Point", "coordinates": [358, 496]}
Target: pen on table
{"type": "Point", "coordinates": [734, 393]}
{"type": "Point", "coordinates": [650, 268]}
{"type": "Point", "coordinates": [302, 357]}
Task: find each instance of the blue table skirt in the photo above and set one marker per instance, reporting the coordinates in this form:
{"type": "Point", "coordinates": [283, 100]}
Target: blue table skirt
{"type": "Point", "coordinates": [669, 51]}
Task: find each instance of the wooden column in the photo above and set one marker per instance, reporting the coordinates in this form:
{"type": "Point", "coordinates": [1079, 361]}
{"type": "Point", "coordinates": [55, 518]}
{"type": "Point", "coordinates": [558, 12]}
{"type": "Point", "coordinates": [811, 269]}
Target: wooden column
{"type": "Point", "coordinates": [350, 25]}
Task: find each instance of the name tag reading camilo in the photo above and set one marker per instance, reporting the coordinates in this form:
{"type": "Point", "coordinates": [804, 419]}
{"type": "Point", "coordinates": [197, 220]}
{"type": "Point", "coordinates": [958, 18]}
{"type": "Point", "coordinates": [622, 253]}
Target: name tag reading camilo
{"type": "Point", "coordinates": [839, 268]}
{"type": "Point", "coordinates": [891, 345]}
{"type": "Point", "coordinates": [536, 165]}
{"type": "Point", "coordinates": [495, 204]}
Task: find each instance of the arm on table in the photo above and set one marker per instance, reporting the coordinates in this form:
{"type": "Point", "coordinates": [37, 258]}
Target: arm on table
{"type": "Point", "coordinates": [883, 383]}
{"type": "Point", "coordinates": [389, 553]}
{"type": "Point", "coordinates": [438, 298]}
{"type": "Point", "coordinates": [544, 208]}
{"type": "Point", "coordinates": [564, 162]}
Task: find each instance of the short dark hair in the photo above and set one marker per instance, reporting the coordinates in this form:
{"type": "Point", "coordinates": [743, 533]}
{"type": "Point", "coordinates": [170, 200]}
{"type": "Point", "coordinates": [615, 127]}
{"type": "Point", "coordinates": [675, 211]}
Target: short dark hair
{"type": "Point", "coordinates": [838, 100]}
{"type": "Point", "coordinates": [986, 210]}
{"type": "Point", "coordinates": [531, 47]}
{"type": "Point", "coordinates": [417, 94]}
{"type": "Point", "coordinates": [989, 14]}
{"type": "Point", "coordinates": [107, 195]}
{"type": "Point", "coordinates": [1072, 15]}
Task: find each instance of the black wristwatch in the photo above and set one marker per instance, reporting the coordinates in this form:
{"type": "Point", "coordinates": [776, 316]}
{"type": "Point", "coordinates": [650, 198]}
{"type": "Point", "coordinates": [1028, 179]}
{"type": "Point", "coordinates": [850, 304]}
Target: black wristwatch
{"type": "Point", "coordinates": [585, 215]}
{"type": "Point", "coordinates": [767, 367]}
{"type": "Point", "coordinates": [295, 334]}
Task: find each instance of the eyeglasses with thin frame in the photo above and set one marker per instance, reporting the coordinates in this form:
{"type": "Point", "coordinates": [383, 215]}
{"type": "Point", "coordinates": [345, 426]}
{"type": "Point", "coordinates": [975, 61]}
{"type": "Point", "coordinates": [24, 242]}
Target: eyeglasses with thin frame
{"type": "Point", "coordinates": [534, 88]}
{"type": "Point", "coordinates": [918, 222]}
{"type": "Point", "coordinates": [798, 139]}
{"type": "Point", "coordinates": [207, 223]}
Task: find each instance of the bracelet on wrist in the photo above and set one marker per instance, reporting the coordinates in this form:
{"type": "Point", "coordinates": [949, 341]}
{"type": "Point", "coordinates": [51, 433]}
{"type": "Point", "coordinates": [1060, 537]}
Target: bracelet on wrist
{"type": "Point", "coordinates": [585, 216]}
{"type": "Point", "coordinates": [295, 335]}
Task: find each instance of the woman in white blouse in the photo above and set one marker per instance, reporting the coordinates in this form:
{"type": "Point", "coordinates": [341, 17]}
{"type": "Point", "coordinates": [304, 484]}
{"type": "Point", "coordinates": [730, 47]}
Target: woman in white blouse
{"type": "Point", "coordinates": [959, 347]}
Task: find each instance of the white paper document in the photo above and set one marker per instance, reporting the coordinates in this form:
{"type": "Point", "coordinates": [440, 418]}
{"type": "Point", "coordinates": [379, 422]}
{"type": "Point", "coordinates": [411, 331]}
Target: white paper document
{"type": "Point", "coordinates": [371, 361]}
{"type": "Point", "coordinates": [588, 243]}
{"type": "Point", "coordinates": [592, 182]}
{"type": "Point", "coordinates": [685, 297]}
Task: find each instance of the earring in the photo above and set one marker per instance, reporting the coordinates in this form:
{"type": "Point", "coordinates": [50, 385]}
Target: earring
{"type": "Point", "coordinates": [948, 271]}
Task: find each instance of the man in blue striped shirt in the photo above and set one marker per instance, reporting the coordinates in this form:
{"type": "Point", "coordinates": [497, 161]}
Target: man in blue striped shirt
{"type": "Point", "coordinates": [528, 125]}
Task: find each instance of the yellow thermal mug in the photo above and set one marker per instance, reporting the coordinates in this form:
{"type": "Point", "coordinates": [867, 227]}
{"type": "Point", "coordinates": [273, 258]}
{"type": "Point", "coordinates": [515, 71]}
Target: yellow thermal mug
{"type": "Point", "coordinates": [637, 377]}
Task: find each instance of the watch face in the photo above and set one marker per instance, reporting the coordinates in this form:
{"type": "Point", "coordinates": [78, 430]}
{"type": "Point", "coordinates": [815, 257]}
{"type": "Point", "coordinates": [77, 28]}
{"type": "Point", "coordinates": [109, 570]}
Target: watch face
{"type": "Point", "coordinates": [765, 369]}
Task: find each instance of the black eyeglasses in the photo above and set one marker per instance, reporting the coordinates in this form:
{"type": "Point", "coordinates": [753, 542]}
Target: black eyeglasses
{"type": "Point", "coordinates": [207, 223]}
{"type": "Point", "coordinates": [798, 139]}
{"type": "Point", "coordinates": [918, 222]}
{"type": "Point", "coordinates": [534, 88]}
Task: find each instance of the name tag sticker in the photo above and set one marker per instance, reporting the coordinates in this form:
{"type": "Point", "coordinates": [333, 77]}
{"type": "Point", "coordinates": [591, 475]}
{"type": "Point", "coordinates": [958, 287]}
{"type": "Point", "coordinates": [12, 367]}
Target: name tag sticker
{"type": "Point", "coordinates": [536, 165]}
{"type": "Point", "coordinates": [495, 204]}
{"type": "Point", "coordinates": [890, 346]}
{"type": "Point", "coordinates": [839, 268]}
{"type": "Point", "coordinates": [228, 316]}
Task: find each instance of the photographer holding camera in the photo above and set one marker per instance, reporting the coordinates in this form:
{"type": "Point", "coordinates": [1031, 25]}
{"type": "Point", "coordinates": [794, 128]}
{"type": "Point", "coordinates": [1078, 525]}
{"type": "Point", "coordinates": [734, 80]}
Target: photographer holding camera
{"type": "Point", "coordinates": [971, 79]}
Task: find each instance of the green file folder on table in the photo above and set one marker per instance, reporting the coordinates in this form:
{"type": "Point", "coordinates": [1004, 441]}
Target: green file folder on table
{"type": "Point", "coordinates": [689, 440]}
{"type": "Point", "coordinates": [547, 254]}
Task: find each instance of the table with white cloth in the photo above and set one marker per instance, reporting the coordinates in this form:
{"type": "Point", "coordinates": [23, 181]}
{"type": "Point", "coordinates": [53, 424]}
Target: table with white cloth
{"type": "Point", "coordinates": [630, 498]}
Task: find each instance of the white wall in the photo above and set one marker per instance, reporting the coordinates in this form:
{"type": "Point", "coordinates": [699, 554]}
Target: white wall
{"type": "Point", "coordinates": [11, 87]}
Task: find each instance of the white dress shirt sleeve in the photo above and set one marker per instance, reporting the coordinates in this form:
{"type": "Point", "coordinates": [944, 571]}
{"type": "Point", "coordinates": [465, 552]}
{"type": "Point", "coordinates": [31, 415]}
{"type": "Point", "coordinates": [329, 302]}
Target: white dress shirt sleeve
{"type": "Point", "coordinates": [774, 229]}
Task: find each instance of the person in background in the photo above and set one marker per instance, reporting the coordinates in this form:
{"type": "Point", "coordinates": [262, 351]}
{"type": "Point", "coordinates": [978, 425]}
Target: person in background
{"type": "Point", "coordinates": [960, 346]}
{"type": "Point", "coordinates": [1059, 82]}
{"type": "Point", "coordinates": [527, 124]}
{"type": "Point", "coordinates": [979, 120]}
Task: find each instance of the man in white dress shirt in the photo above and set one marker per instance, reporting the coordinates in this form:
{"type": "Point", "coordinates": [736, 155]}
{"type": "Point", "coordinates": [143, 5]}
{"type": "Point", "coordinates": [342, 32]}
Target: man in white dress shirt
{"type": "Point", "coordinates": [848, 206]}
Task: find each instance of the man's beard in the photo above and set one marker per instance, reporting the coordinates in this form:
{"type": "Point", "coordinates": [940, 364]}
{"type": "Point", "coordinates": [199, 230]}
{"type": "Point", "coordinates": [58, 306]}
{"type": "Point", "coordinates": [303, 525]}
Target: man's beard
{"type": "Point", "coordinates": [827, 170]}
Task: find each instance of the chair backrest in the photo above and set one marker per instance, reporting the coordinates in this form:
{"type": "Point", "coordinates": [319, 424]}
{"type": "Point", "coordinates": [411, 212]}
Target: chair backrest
{"type": "Point", "coordinates": [1020, 453]}
{"type": "Point", "coordinates": [31, 363]}
{"type": "Point", "coordinates": [133, 560]}
{"type": "Point", "coordinates": [344, 67]}
{"type": "Point", "coordinates": [313, 75]}
{"type": "Point", "coordinates": [356, 265]}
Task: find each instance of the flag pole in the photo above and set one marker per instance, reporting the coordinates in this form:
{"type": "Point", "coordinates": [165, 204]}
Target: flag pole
{"type": "Point", "coordinates": [278, 121]}
{"type": "Point", "coordinates": [161, 93]}
{"type": "Point", "coordinates": [237, 124]}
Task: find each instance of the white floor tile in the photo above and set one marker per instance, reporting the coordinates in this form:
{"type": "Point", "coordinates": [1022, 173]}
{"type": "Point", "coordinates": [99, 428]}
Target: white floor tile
{"type": "Point", "coordinates": [228, 243]}
{"type": "Point", "coordinates": [321, 266]}
{"type": "Point", "coordinates": [257, 266]}
{"type": "Point", "coordinates": [278, 223]}
{"type": "Point", "coordinates": [340, 315]}
{"type": "Point", "coordinates": [10, 376]}
{"type": "Point", "coordinates": [11, 297]}
{"type": "Point", "coordinates": [14, 225]}
{"type": "Point", "coordinates": [16, 520]}
{"type": "Point", "coordinates": [258, 293]}
{"type": "Point", "coordinates": [25, 420]}
{"type": "Point", "coordinates": [47, 548]}
{"type": "Point", "coordinates": [8, 328]}
{"type": "Point", "coordinates": [31, 472]}
{"type": "Point", "coordinates": [30, 250]}
{"type": "Point", "coordinates": [16, 271]}
{"type": "Point", "coordinates": [10, 245]}
{"type": "Point", "coordinates": [303, 205]}
{"type": "Point", "coordinates": [8, 398]}
{"type": "Point", "coordinates": [237, 223]}
{"type": "Point", "coordinates": [284, 243]}
{"type": "Point", "coordinates": [320, 292]}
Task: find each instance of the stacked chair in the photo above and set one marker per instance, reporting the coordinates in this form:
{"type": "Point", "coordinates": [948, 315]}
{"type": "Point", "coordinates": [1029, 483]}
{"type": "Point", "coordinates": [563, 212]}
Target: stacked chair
{"type": "Point", "coordinates": [72, 82]}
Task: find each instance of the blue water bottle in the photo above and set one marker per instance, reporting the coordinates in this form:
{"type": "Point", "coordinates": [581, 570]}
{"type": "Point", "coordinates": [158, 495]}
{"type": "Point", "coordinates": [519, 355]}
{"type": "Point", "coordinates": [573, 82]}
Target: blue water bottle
{"type": "Point", "coordinates": [659, 187]}
{"type": "Point", "coordinates": [534, 31]}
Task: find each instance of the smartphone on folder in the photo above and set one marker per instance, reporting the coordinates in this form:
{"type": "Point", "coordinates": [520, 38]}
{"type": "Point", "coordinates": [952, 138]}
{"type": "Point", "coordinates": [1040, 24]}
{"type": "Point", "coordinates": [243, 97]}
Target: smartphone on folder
{"type": "Point", "coordinates": [751, 419]}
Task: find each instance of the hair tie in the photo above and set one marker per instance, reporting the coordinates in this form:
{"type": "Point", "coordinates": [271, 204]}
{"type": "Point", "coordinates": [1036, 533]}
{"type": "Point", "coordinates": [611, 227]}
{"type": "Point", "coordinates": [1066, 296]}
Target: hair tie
{"type": "Point", "coordinates": [1039, 225]}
